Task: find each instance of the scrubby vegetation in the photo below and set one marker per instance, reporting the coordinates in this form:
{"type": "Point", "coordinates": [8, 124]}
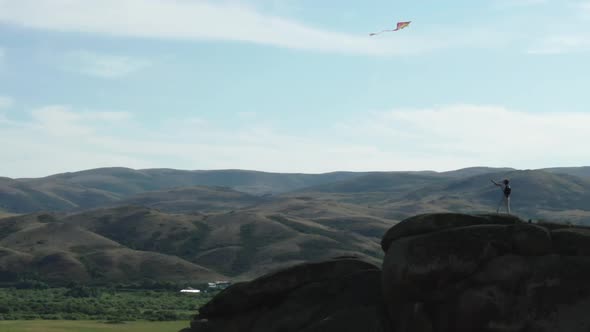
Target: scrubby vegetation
{"type": "Point", "coordinates": [87, 326]}
{"type": "Point", "coordinates": [35, 300]}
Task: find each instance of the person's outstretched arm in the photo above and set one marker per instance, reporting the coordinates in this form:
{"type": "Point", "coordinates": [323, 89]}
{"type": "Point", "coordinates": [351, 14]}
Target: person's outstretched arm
{"type": "Point", "coordinates": [496, 183]}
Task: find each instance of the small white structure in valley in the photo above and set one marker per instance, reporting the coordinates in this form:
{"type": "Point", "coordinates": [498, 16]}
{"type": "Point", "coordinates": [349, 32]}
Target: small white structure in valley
{"type": "Point", "coordinates": [219, 284]}
{"type": "Point", "coordinates": [190, 290]}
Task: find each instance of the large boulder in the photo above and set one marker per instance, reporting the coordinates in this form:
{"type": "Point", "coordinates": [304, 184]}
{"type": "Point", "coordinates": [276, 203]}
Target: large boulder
{"type": "Point", "coordinates": [336, 295]}
{"type": "Point", "coordinates": [441, 273]}
{"type": "Point", "coordinates": [450, 272]}
{"type": "Point", "coordinates": [572, 241]}
{"type": "Point", "coordinates": [434, 222]}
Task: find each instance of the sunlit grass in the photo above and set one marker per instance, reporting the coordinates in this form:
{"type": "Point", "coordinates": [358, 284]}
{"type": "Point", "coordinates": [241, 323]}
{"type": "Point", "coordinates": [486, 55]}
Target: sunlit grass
{"type": "Point", "coordinates": [89, 326]}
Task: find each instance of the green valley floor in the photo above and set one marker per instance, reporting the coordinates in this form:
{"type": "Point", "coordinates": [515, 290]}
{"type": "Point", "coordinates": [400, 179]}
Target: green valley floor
{"type": "Point", "coordinates": [88, 326]}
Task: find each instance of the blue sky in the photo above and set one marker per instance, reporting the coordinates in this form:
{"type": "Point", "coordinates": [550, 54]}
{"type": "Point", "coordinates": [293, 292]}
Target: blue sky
{"type": "Point", "coordinates": [292, 85]}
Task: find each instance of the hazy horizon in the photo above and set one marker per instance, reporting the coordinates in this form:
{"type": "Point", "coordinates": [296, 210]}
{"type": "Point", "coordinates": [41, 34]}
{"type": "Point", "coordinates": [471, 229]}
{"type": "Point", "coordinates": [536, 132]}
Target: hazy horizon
{"type": "Point", "coordinates": [307, 173]}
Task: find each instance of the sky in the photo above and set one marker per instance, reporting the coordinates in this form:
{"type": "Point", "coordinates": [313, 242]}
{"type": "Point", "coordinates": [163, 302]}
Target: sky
{"type": "Point", "coordinates": [292, 85]}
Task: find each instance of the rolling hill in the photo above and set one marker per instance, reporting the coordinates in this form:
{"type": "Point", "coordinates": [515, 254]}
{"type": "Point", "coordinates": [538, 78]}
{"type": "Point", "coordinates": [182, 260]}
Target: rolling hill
{"type": "Point", "coordinates": [190, 199]}
{"type": "Point", "coordinates": [536, 194]}
{"type": "Point", "coordinates": [20, 197]}
{"type": "Point", "coordinates": [167, 189]}
{"type": "Point", "coordinates": [131, 242]}
{"type": "Point", "coordinates": [576, 171]}
{"type": "Point", "coordinates": [121, 224]}
{"type": "Point", "coordinates": [103, 187]}
{"type": "Point", "coordinates": [473, 171]}
{"type": "Point", "coordinates": [378, 182]}
{"type": "Point", "coordinates": [48, 246]}
{"type": "Point", "coordinates": [233, 243]}
{"type": "Point", "coordinates": [125, 182]}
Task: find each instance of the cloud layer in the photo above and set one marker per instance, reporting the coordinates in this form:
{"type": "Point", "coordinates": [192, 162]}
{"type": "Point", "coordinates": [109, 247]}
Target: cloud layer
{"type": "Point", "coordinates": [102, 65]}
{"type": "Point", "coordinates": [204, 20]}
{"type": "Point", "coordinates": [234, 21]}
{"type": "Point", "coordinates": [57, 139]}
{"type": "Point", "coordinates": [564, 43]}
{"type": "Point", "coordinates": [5, 102]}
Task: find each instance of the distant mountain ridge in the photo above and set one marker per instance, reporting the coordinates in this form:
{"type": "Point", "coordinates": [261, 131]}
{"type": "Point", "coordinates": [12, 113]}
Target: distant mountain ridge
{"type": "Point", "coordinates": [126, 181]}
{"type": "Point", "coordinates": [583, 171]}
{"type": "Point", "coordinates": [105, 187]}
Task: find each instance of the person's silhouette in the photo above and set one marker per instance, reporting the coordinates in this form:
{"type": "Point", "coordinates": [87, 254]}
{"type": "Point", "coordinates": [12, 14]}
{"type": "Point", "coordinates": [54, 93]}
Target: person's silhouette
{"type": "Point", "coordinates": [506, 191]}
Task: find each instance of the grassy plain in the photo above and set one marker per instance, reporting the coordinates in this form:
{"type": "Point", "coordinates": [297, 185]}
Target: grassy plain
{"type": "Point", "coordinates": [89, 326]}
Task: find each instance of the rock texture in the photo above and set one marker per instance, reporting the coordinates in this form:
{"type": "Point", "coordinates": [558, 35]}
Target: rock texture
{"type": "Point", "coordinates": [441, 273]}
{"type": "Point", "coordinates": [449, 272]}
{"type": "Point", "coordinates": [339, 295]}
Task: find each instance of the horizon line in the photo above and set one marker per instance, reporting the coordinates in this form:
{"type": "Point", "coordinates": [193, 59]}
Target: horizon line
{"type": "Point", "coordinates": [292, 173]}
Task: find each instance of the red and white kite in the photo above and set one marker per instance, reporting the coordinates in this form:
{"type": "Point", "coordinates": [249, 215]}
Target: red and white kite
{"type": "Point", "coordinates": [400, 25]}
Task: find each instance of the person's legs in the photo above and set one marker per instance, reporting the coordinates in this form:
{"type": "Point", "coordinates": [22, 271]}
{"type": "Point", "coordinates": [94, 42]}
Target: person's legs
{"type": "Point", "coordinates": [500, 204]}
{"type": "Point", "coordinates": [508, 204]}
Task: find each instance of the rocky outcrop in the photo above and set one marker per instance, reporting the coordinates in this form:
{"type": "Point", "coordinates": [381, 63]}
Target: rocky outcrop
{"type": "Point", "coordinates": [441, 273]}
{"type": "Point", "coordinates": [485, 274]}
{"type": "Point", "coordinates": [427, 223]}
{"type": "Point", "coordinates": [337, 295]}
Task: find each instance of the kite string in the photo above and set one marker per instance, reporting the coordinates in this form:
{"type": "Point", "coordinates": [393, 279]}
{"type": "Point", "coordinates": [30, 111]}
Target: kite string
{"type": "Point", "coordinates": [380, 32]}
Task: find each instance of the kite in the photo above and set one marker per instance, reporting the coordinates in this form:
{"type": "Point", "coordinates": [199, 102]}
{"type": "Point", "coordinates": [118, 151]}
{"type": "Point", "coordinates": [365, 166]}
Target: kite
{"type": "Point", "coordinates": [400, 25]}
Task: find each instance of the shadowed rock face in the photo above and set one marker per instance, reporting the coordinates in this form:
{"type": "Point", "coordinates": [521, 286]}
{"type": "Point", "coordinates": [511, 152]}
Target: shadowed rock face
{"type": "Point", "coordinates": [485, 274]}
{"type": "Point", "coordinates": [337, 295]}
{"type": "Point", "coordinates": [441, 273]}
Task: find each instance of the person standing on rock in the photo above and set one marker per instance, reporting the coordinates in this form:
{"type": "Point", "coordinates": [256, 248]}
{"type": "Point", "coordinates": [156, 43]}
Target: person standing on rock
{"type": "Point", "coordinates": [506, 191]}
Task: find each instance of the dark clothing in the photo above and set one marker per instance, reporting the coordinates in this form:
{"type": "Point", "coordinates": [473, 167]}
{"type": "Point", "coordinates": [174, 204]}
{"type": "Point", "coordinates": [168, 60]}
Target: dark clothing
{"type": "Point", "coordinates": [507, 191]}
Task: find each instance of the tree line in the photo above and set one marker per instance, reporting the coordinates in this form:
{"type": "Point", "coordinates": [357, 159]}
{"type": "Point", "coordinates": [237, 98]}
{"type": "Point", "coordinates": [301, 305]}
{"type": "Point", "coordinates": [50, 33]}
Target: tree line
{"type": "Point", "coordinates": [33, 299]}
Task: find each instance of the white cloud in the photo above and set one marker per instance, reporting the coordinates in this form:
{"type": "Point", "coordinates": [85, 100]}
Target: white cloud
{"type": "Point", "coordinates": [584, 9]}
{"type": "Point", "coordinates": [206, 20]}
{"type": "Point", "coordinates": [62, 121]}
{"type": "Point", "coordinates": [58, 139]}
{"type": "Point", "coordinates": [252, 21]}
{"type": "Point", "coordinates": [2, 57]}
{"type": "Point", "coordinates": [102, 65]}
{"type": "Point", "coordinates": [559, 44]}
{"type": "Point", "coordinates": [546, 26]}
{"type": "Point", "coordinates": [571, 35]}
{"type": "Point", "coordinates": [519, 3]}
{"type": "Point", "coordinates": [486, 135]}
{"type": "Point", "coordinates": [6, 102]}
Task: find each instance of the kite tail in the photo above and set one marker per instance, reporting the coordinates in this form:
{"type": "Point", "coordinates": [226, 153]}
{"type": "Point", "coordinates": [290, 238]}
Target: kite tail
{"type": "Point", "coordinates": [380, 32]}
